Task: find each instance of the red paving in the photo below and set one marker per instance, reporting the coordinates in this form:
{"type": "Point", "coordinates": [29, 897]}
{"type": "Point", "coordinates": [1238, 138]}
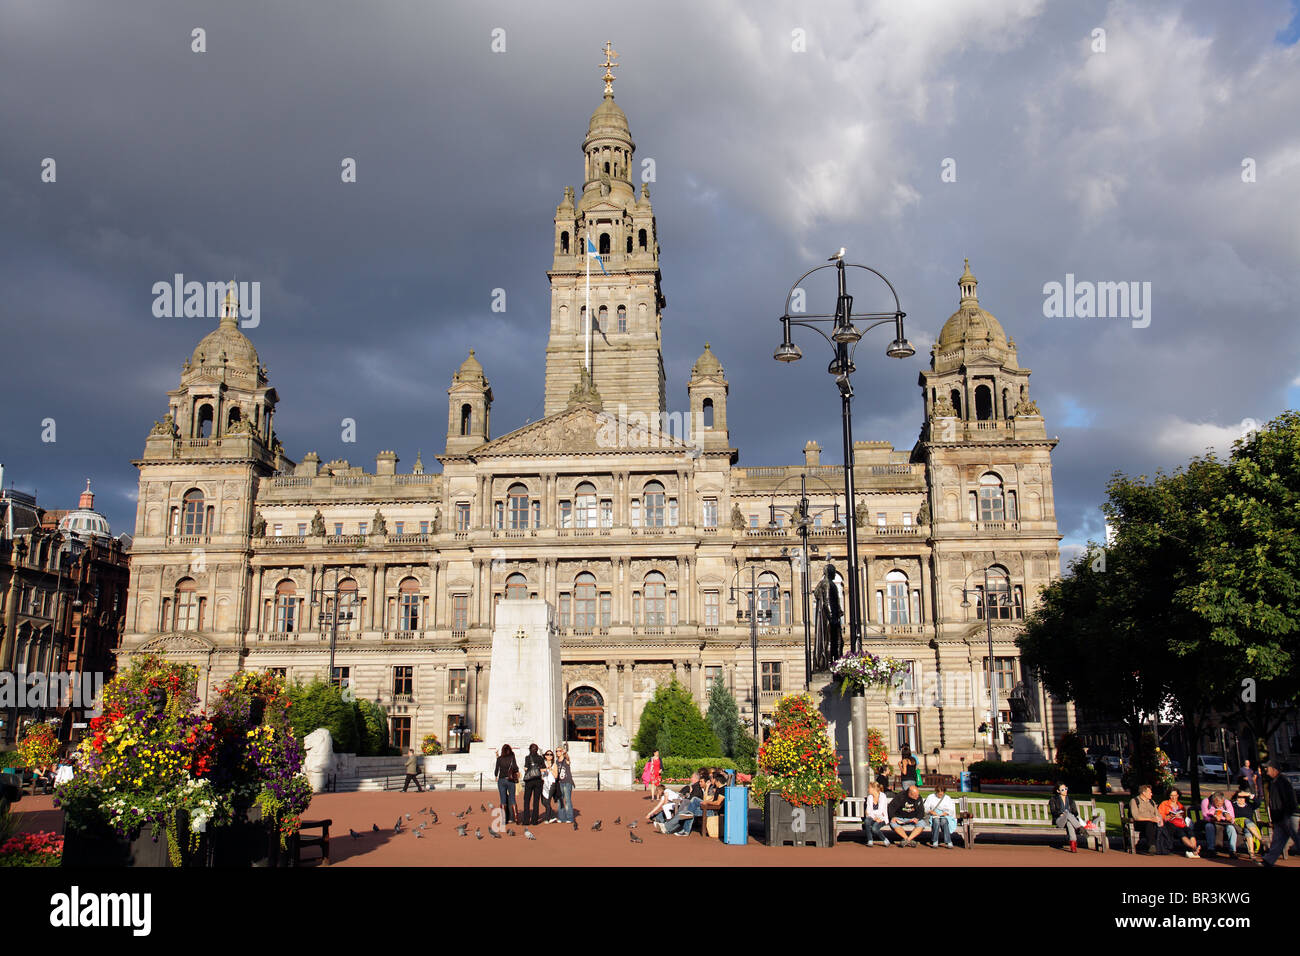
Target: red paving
{"type": "Point", "coordinates": [560, 845]}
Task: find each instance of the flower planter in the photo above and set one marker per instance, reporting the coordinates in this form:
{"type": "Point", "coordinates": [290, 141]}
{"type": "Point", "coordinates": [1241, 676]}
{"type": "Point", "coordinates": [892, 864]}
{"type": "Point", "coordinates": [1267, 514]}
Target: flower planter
{"type": "Point", "coordinates": [787, 825]}
{"type": "Point", "coordinates": [89, 849]}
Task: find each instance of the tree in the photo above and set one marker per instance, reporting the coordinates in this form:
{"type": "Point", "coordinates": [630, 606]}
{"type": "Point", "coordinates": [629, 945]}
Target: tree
{"type": "Point", "coordinates": [724, 718]}
{"type": "Point", "coordinates": [372, 727]}
{"type": "Point", "coordinates": [672, 724]}
{"type": "Point", "coordinates": [319, 704]}
{"type": "Point", "coordinates": [1072, 767]}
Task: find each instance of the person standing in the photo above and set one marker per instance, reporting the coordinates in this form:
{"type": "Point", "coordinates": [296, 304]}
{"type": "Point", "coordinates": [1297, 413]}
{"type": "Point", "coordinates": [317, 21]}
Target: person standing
{"type": "Point", "coordinates": [1283, 813]}
{"type": "Point", "coordinates": [907, 769]}
{"type": "Point", "coordinates": [412, 768]}
{"type": "Point", "coordinates": [507, 774]}
{"type": "Point", "coordinates": [1248, 779]}
{"type": "Point", "coordinates": [564, 780]}
{"type": "Point", "coordinates": [549, 790]}
{"type": "Point", "coordinates": [651, 776]}
{"type": "Point", "coordinates": [534, 766]}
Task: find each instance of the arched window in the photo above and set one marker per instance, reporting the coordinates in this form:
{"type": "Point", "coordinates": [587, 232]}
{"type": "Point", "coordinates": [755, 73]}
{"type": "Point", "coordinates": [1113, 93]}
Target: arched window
{"type": "Point", "coordinates": [955, 398]}
{"type": "Point", "coordinates": [192, 512]}
{"type": "Point", "coordinates": [641, 239]}
{"type": "Point", "coordinates": [990, 495]}
{"type": "Point", "coordinates": [999, 600]}
{"type": "Point", "coordinates": [983, 403]}
{"type": "Point", "coordinates": [622, 318]}
{"type": "Point", "coordinates": [656, 599]}
{"type": "Point", "coordinates": [584, 512]}
{"type": "Point", "coordinates": [408, 593]}
{"type": "Point", "coordinates": [516, 587]}
{"type": "Point", "coordinates": [286, 606]}
{"type": "Point", "coordinates": [604, 241]}
{"type": "Point", "coordinates": [349, 607]}
{"type": "Point", "coordinates": [896, 598]}
{"type": "Point", "coordinates": [564, 243]}
{"type": "Point", "coordinates": [187, 605]}
{"type": "Point", "coordinates": [602, 320]}
{"type": "Point", "coordinates": [203, 422]}
{"type": "Point", "coordinates": [517, 506]}
{"type": "Point", "coordinates": [584, 600]}
{"type": "Point", "coordinates": [654, 505]}
{"type": "Point", "coordinates": [466, 418]}
{"type": "Point", "coordinates": [708, 413]}
{"type": "Point", "coordinates": [629, 245]}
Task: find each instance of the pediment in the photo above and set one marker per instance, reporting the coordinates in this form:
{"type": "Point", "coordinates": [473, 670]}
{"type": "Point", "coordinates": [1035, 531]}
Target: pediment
{"type": "Point", "coordinates": [165, 644]}
{"type": "Point", "coordinates": [585, 429]}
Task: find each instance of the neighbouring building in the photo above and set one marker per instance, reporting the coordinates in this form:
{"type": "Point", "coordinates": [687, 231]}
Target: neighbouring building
{"type": "Point", "coordinates": [634, 530]}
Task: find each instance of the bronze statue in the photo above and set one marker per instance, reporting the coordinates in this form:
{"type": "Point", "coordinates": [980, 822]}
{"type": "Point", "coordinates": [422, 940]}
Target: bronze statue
{"type": "Point", "coordinates": [828, 640]}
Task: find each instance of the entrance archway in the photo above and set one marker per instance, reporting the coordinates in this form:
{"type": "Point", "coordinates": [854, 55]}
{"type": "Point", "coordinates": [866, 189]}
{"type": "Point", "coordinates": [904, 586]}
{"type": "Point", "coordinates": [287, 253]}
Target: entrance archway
{"type": "Point", "coordinates": [584, 717]}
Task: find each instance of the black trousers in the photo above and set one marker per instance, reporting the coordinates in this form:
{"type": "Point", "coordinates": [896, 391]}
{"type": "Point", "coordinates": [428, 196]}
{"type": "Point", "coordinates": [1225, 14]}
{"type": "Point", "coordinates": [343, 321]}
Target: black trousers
{"type": "Point", "coordinates": [412, 778]}
{"type": "Point", "coordinates": [1146, 830]}
{"type": "Point", "coordinates": [533, 802]}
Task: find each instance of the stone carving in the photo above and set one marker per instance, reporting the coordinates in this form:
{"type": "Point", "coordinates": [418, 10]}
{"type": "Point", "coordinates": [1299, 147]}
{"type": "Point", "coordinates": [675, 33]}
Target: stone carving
{"type": "Point", "coordinates": [738, 521]}
{"type": "Point", "coordinates": [861, 515]}
{"type": "Point", "coordinates": [584, 391]}
{"type": "Point", "coordinates": [166, 427]}
{"type": "Point", "coordinates": [379, 525]}
{"type": "Point", "coordinates": [923, 516]}
{"type": "Point", "coordinates": [318, 525]}
{"type": "Point", "coordinates": [943, 408]}
{"type": "Point", "coordinates": [1026, 407]}
{"type": "Point", "coordinates": [318, 763]}
{"type": "Point", "coordinates": [259, 525]}
{"type": "Point", "coordinates": [618, 747]}
{"type": "Point", "coordinates": [829, 637]}
{"type": "Point", "coordinates": [436, 526]}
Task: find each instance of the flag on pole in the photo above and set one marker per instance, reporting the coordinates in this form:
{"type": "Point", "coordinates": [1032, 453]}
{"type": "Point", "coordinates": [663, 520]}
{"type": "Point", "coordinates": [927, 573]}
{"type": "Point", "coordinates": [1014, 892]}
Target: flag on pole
{"type": "Point", "coordinates": [593, 254]}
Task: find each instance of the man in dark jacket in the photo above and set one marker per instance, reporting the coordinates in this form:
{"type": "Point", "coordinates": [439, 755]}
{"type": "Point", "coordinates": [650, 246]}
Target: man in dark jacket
{"type": "Point", "coordinates": [907, 816]}
{"type": "Point", "coordinates": [412, 767]}
{"type": "Point", "coordinates": [1282, 812]}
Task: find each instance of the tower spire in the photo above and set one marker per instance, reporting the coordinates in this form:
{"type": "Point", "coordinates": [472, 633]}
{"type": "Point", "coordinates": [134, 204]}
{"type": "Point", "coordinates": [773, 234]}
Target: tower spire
{"type": "Point", "coordinates": [609, 64]}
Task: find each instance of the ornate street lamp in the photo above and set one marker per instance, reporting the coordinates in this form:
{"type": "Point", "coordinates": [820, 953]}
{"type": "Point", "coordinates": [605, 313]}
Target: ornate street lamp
{"type": "Point", "coordinates": [988, 603]}
{"type": "Point", "coordinates": [844, 337]}
{"type": "Point", "coordinates": [755, 593]}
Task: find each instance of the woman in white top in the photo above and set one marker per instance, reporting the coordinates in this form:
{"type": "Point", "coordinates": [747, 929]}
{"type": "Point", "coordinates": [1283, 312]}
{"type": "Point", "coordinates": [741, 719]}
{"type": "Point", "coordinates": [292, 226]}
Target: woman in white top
{"type": "Point", "coordinates": [942, 814]}
{"type": "Point", "coordinates": [875, 815]}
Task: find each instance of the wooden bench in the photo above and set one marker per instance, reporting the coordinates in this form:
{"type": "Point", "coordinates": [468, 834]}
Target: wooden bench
{"type": "Point", "coordinates": [322, 841]}
{"type": "Point", "coordinates": [848, 815]}
{"type": "Point", "coordinates": [979, 815]}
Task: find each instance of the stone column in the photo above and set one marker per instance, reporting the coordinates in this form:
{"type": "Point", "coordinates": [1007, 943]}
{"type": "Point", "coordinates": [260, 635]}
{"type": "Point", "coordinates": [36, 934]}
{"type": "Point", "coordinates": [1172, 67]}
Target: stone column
{"type": "Point", "coordinates": [629, 688]}
{"type": "Point", "coordinates": [313, 611]}
{"type": "Point", "coordinates": [370, 609]}
{"type": "Point", "coordinates": [434, 615]}
{"type": "Point", "coordinates": [255, 602]}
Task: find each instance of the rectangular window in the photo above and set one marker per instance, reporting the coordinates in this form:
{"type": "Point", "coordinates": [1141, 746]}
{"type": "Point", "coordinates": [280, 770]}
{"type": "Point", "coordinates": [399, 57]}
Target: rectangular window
{"type": "Point", "coordinates": [424, 527]}
{"type": "Point", "coordinates": [606, 607]}
{"type": "Point", "coordinates": [710, 518]}
{"type": "Point", "coordinates": [363, 527]}
{"type": "Point", "coordinates": [908, 685]}
{"type": "Point", "coordinates": [636, 607]}
{"type": "Point", "coordinates": [399, 527]}
{"type": "Point", "coordinates": [753, 521]}
{"type": "Point", "coordinates": [711, 608]}
{"type": "Point", "coordinates": [636, 513]}
{"type": "Point", "coordinates": [907, 519]}
{"type": "Point", "coordinates": [302, 529]}
{"type": "Point", "coordinates": [401, 733]}
{"type": "Point", "coordinates": [500, 515]}
{"type": "Point", "coordinates": [607, 514]}
{"type": "Point", "coordinates": [338, 529]}
{"type": "Point", "coordinates": [279, 530]}
{"type": "Point", "coordinates": [462, 516]}
{"type": "Point", "coordinates": [1004, 671]}
{"type": "Point", "coordinates": [460, 612]}
{"type": "Point", "coordinates": [880, 519]}
{"type": "Point", "coordinates": [456, 681]}
{"type": "Point", "coordinates": [672, 608]}
{"type": "Point", "coordinates": [712, 675]}
{"type": "Point", "coordinates": [566, 601]}
{"type": "Point", "coordinates": [907, 730]}
{"type": "Point", "coordinates": [537, 514]}
{"type": "Point", "coordinates": [403, 679]}
{"type": "Point", "coordinates": [771, 677]}
{"type": "Point", "coordinates": [672, 512]}
{"type": "Point", "coordinates": [566, 514]}
{"type": "Point", "coordinates": [342, 677]}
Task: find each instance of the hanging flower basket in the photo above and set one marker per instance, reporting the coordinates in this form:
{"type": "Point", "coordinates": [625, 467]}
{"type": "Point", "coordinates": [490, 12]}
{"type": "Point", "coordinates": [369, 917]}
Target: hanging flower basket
{"type": "Point", "coordinates": [861, 672]}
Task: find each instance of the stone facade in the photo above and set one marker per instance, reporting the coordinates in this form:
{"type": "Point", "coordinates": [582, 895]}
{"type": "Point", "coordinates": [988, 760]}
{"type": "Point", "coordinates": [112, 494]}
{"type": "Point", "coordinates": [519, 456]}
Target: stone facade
{"type": "Point", "coordinates": [634, 531]}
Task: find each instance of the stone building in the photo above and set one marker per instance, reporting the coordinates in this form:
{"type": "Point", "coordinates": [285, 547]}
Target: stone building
{"type": "Point", "coordinates": [633, 524]}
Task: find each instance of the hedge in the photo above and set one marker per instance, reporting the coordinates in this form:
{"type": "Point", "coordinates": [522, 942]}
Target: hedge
{"type": "Point", "coordinates": [989, 771]}
{"type": "Point", "coordinates": [681, 768]}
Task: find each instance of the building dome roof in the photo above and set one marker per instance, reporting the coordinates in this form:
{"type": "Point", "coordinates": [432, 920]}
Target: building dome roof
{"type": "Point", "coordinates": [970, 324]}
{"type": "Point", "coordinates": [707, 363]}
{"type": "Point", "coordinates": [608, 118]}
{"type": "Point", "coordinates": [85, 521]}
{"type": "Point", "coordinates": [226, 338]}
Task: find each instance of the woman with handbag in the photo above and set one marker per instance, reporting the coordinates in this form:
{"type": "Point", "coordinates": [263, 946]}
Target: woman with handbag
{"type": "Point", "coordinates": [507, 774]}
{"type": "Point", "coordinates": [548, 787]}
{"type": "Point", "coordinates": [533, 767]}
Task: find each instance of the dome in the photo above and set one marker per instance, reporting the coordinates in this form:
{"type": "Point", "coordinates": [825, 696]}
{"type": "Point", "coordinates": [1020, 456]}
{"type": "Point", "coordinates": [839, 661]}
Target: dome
{"type": "Point", "coordinates": [970, 324]}
{"type": "Point", "coordinates": [226, 338]}
{"type": "Point", "coordinates": [471, 370]}
{"type": "Point", "coordinates": [608, 118]}
{"type": "Point", "coordinates": [85, 521]}
{"type": "Point", "coordinates": [706, 364]}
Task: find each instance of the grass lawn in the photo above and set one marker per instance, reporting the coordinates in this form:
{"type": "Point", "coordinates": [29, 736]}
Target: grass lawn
{"type": "Point", "coordinates": [1108, 803]}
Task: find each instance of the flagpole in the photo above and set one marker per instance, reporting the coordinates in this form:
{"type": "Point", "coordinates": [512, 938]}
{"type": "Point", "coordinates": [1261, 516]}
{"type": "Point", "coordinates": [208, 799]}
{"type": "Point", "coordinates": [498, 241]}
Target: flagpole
{"type": "Point", "coordinates": [587, 256]}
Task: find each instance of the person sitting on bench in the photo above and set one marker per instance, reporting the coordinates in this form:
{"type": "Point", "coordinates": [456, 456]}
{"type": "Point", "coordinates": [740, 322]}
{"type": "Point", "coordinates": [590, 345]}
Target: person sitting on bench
{"type": "Point", "coordinates": [1218, 815]}
{"type": "Point", "coordinates": [1065, 813]}
{"type": "Point", "coordinates": [1146, 819]}
{"type": "Point", "coordinates": [907, 815]}
{"type": "Point", "coordinates": [942, 813]}
{"type": "Point", "coordinates": [875, 814]}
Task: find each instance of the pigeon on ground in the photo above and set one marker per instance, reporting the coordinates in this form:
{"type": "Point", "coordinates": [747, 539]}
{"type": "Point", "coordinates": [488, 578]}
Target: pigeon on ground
{"type": "Point", "coordinates": [617, 821]}
{"type": "Point", "coordinates": [374, 828]}
{"type": "Point", "coordinates": [632, 825]}
{"type": "Point", "coordinates": [482, 808]}
{"type": "Point", "coordinates": [478, 834]}
{"type": "Point", "coordinates": [469, 809]}
{"type": "Point", "coordinates": [460, 830]}
{"type": "Point", "coordinates": [419, 835]}
{"type": "Point", "coordinates": [434, 815]}
{"type": "Point", "coordinates": [397, 827]}
{"type": "Point", "coordinates": [509, 832]}
{"type": "Point", "coordinates": [494, 835]}
{"type": "Point", "coordinates": [461, 815]}
{"type": "Point", "coordinates": [635, 838]}
{"type": "Point", "coordinates": [408, 816]}
{"type": "Point", "coordinates": [596, 825]}
{"type": "Point", "coordinates": [354, 834]}
{"type": "Point", "coordinates": [528, 835]}
{"type": "Point", "coordinates": [422, 810]}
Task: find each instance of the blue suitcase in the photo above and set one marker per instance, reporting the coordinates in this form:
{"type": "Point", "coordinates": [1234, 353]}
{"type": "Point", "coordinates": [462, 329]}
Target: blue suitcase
{"type": "Point", "coordinates": [735, 820]}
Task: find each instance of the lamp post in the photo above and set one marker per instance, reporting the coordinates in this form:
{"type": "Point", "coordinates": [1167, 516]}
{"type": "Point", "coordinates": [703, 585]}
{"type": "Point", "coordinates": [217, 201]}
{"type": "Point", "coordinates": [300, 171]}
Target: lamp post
{"type": "Point", "coordinates": [987, 605]}
{"type": "Point", "coordinates": [803, 520]}
{"type": "Point", "coordinates": [334, 613]}
{"type": "Point", "coordinates": [843, 340]}
{"type": "Point", "coordinates": [754, 592]}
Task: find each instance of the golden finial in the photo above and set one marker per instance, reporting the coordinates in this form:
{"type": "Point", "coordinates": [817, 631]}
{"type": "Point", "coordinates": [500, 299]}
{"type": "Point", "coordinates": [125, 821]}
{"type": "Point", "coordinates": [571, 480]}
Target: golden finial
{"type": "Point", "coordinates": [609, 64]}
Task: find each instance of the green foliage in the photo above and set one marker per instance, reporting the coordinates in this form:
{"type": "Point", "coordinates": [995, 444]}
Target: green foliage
{"type": "Point", "coordinates": [1027, 773]}
{"type": "Point", "coordinates": [673, 725]}
{"type": "Point", "coordinates": [746, 753]}
{"type": "Point", "coordinates": [724, 717]}
{"type": "Point", "coordinates": [681, 768]}
{"type": "Point", "coordinates": [1072, 767]}
{"type": "Point", "coordinates": [319, 704]}
{"type": "Point", "coordinates": [1148, 765]}
{"type": "Point", "coordinates": [372, 726]}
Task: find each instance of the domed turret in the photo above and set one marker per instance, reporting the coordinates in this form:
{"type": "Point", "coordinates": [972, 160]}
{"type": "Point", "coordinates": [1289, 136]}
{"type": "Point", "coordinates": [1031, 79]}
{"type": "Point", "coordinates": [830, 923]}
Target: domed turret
{"type": "Point", "coordinates": [85, 522]}
{"type": "Point", "coordinates": [226, 340]}
{"type": "Point", "coordinates": [970, 326]}
{"type": "Point", "coordinates": [706, 364]}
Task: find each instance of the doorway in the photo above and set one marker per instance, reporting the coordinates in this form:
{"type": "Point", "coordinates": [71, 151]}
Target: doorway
{"type": "Point", "coordinates": [584, 715]}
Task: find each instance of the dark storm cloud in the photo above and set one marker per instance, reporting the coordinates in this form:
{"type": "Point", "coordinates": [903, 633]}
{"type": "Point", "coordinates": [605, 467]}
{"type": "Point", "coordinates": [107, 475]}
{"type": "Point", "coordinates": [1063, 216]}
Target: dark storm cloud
{"type": "Point", "coordinates": [1123, 165]}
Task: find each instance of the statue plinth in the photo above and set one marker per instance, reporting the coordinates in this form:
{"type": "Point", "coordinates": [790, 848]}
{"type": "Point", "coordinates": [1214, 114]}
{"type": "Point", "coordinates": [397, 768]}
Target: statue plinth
{"type": "Point", "coordinates": [525, 701]}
